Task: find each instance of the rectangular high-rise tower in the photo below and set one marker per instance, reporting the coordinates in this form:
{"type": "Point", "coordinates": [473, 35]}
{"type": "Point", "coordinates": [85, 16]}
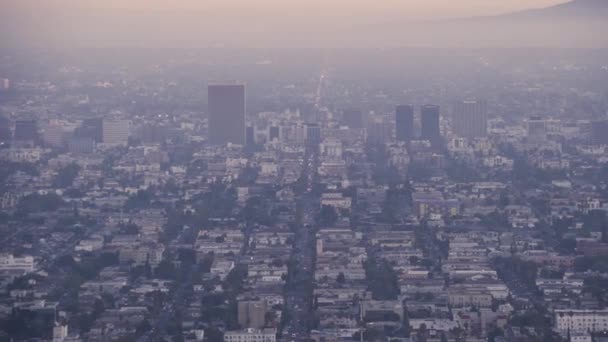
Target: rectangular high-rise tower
{"type": "Point", "coordinates": [599, 132]}
{"type": "Point", "coordinates": [313, 134]}
{"type": "Point", "coordinates": [470, 119]}
{"type": "Point", "coordinates": [115, 132]}
{"type": "Point", "coordinates": [226, 113]}
{"type": "Point", "coordinates": [26, 130]}
{"type": "Point", "coordinates": [404, 122]}
{"type": "Point", "coordinates": [429, 119]}
{"type": "Point", "coordinates": [353, 118]}
{"type": "Point", "coordinates": [537, 129]}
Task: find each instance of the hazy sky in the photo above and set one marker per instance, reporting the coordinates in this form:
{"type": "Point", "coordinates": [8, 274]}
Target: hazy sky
{"type": "Point", "coordinates": [413, 8]}
{"type": "Point", "coordinates": [258, 23]}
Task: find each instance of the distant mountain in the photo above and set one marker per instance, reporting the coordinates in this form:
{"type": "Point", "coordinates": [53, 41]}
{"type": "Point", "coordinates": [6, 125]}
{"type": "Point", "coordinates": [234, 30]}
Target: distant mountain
{"type": "Point", "coordinates": [574, 24]}
{"type": "Point", "coordinates": [573, 9]}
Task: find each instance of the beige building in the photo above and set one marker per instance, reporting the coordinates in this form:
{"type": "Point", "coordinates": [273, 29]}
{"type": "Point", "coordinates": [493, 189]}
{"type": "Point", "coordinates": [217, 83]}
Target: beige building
{"type": "Point", "coordinates": [252, 313]}
{"type": "Point", "coordinates": [463, 297]}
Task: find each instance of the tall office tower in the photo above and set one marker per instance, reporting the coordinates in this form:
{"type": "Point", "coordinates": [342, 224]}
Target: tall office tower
{"type": "Point", "coordinates": [273, 133]}
{"type": "Point", "coordinates": [251, 313]}
{"type": "Point", "coordinates": [299, 133]}
{"type": "Point", "coordinates": [53, 134]}
{"type": "Point", "coordinates": [313, 134]}
{"type": "Point", "coordinates": [153, 133]}
{"type": "Point", "coordinates": [116, 132]}
{"type": "Point", "coordinates": [378, 130]}
{"type": "Point", "coordinates": [91, 128]}
{"type": "Point", "coordinates": [81, 145]}
{"type": "Point", "coordinates": [404, 122]}
{"type": "Point", "coordinates": [260, 135]}
{"type": "Point", "coordinates": [470, 119]}
{"type": "Point", "coordinates": [5, 84]}
{"type": "Point", "coordinates": [599, 132]}
{"type": "Point", "coordinates": [5, 129]}
{"type": "Point", "coordinates": [429, 119]}
{"type": "Point", "coordinates": [353, 118]}
{"type": "Point", "coordinates": [537, 130]}
{"type": "Point", "coordinates": [26, 130]}
{"type": "Point", "coordinates": [226, 113]}
{"type": "Point", "coordinates": [250, 136]}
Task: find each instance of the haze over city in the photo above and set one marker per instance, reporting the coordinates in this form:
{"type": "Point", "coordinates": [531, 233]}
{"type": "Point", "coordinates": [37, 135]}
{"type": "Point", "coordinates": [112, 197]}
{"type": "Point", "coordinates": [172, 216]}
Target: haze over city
{"type": "Point", "coordinates": [309, 24]}
{"type": "Point", "coordinates": [304, 171]}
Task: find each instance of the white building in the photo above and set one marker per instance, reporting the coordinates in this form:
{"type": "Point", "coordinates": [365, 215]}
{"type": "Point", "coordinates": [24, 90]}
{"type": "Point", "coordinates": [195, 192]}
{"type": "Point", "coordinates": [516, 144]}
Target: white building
{"type": "Point", "coordinates": [269, 169]}
{"type": "Point", "coordinates": [60, 332]}
{"type": "Point", "coordinates": [251, 335]}
{"type": "Point", "coordinates": [221, 268]}
{"type": "Point", "coordinates": [30, 155]}
{"type": "Point", "coordinates": [9, 262]}
{"type": "Point", "coordinates": [332, 147]}
{"type": "Point", "coordinates": [336, 200]}
{"type": "Point", "coordinates": [580, 321]}
{"type": "Point", "coordinates": [581, 337]}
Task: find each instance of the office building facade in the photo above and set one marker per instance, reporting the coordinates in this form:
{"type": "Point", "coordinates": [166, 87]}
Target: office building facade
{"type": "Point", "coordinates": [404, 122]}
{"type": "Point", "coordinates": [313, 134]}
{"type": "Point", "coordinates": [429, 122]}
{"type": "Point", "coordinates": [470, 119]}
{"type": "Point", "coordinates": [599, 132]}
{"type": "Point", "coordinates": [226, 113]}
{"type": "Point", "coordinates": [26, 130]}
{"type": "Point", "coordinates": [116, 132]}
{"type": "Point", "coordinates": [353, 118]}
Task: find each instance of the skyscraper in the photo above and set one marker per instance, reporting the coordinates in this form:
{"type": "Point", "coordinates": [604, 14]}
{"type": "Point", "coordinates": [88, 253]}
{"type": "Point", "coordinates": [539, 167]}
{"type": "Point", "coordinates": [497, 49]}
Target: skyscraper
{"type": "Point", "coordinates": [26, 130]}
{"type": "Point", "coordinates": [378, 130]}
{"type": "Point", "coordinates": [313, 134]}
{"type": "Point", "coordinates": [5, 129]}
{"type": "Point", "coordinates": [353, 118]}
{"type": "Point", "coordinates": [53, 134]}
{"type": "Point", "coordinates": [250, 136]}
{"type": "Point", "coordinates": [153, 133]}
{"type": "Point", "coordinates": [599, 132]}
{"type": "Point", "coordinates": [470, 119]}
{"type": "Point", "coordinates": [429, 117]}
{"type": "Point", "coordinates": [404, 122]}
{"type": "Point", "coordinates": [251, 313]}
{"type": "Point", "coordinates": [226, 113]}
{"type": "Point", "coordinates": [537, 129]}
{"type": "Point", "coordinates": [273, 133]}
{"type": "Point", "coordinates": [91, 128]}
{"type": "Point", "coordinates": [116, 132]}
